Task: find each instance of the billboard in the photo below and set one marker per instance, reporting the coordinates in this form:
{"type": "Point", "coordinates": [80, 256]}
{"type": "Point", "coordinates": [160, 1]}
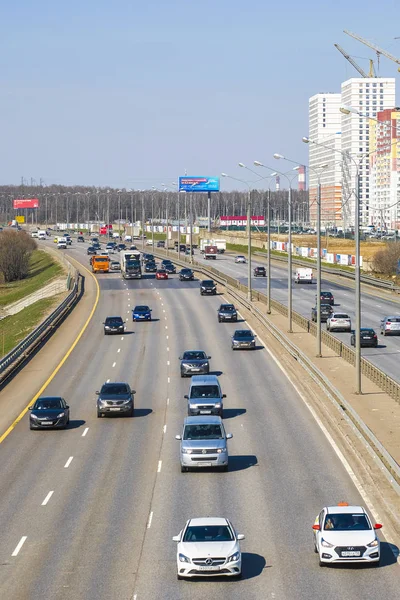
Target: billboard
{"type": "Point", "coordinates": [199, 184]}
{"type": "Point", "coordinates": [20, 219]}
{"type": "Point", "coordinates": [26, 203]}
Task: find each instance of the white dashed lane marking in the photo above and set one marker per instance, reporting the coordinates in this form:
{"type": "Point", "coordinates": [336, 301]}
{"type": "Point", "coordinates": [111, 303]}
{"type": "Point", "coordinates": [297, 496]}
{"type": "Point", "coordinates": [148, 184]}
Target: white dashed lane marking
{"type": "Point", "coordinates": [49, 495]}
{"type": "Point", "coordinates": [69, 461]}
{"type": "Point", "coordinates": [19, 545]}
{"type": "Point", "coordinates": [85, 431]}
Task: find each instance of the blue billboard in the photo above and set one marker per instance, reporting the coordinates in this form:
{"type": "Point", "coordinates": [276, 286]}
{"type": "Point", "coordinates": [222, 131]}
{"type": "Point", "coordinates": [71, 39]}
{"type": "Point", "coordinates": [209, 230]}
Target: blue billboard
{"type": "Point", "coordinates": [199, 184]}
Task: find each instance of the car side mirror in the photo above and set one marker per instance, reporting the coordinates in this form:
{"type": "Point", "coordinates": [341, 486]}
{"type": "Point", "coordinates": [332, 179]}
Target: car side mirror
{"type": "Point", "coordinates": [377, 526]}
{"type": "Point", "coordinates": [67, 406]}
{"type": "Point", "coordinates": [178, 437]}
{"type": "Point", "coordinates": [240, 536]}
{"type": "Point", "coordinates": [186, 396]}
{"type": "Point", "coordinates": [229, 436]}
{"type": "Point", "coordinates": [208, 356]}
{"type": "Point", "coordinates": [133, 392]}
{"type": "Point", "coordinates": [224, 395]}
{"type": "Point", "coordinates": [30, 407]}
{"type": "Point", "coordinates": [97, 393]}
{"type": "Point", "coordinates": [316, 528]}
{"type": "Point", "coordinates": [180, 357]}
{"type": "Point", "coordinates": [176, 538]}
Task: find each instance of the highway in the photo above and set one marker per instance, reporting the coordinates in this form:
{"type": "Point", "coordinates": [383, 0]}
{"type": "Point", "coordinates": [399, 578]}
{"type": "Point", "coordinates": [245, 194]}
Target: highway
{"type": "Point", "coordinates": [386, 356]}
{"type": "Point", "coordinates": [118, 493]}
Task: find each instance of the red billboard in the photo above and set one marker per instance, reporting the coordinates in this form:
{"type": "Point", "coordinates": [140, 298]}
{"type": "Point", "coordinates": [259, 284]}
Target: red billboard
{"type": "Point", "coordinates": [26, 203]}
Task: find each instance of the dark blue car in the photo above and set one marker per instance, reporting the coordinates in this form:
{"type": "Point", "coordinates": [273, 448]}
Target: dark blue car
{"type": "Point", "coordinates": [49, 412]}
{"type": "Point", "coordinates": [141, 313]}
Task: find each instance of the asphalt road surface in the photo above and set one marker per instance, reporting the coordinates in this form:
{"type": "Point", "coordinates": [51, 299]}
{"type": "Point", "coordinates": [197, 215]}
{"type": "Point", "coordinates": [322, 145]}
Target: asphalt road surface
{"type": "Point", "coordinates": [118, 495]}
{"type": "Point", "coordinates": [386, 356]}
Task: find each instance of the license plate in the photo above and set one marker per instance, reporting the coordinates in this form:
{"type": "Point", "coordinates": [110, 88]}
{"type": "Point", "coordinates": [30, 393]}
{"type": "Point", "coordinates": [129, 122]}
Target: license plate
{"type": "Point", "coordinates": [46, 422]}
{"type": "Point", "coordinates": [228, 317]}
{"type": "Point", "coordinates": [115, 408]}
{"type": "Point", "coordinates": [195, 369]}
{"type": "Point", "coordinates": [141, 317]}
{"type": "Point", "coordinates": [205, 412]}
{"type": "Point", "coordinates": [204, 464]}
{"type": "Point", "coordinates": [352, 553]}
{"type": "Point", "coordinates": [366, 337]}
{"type": "Point", "coordinates": [217, 568]}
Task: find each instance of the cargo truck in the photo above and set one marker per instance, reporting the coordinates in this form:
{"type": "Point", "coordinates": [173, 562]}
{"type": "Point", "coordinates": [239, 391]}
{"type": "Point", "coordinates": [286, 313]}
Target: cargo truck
{"type": "Point", "coordinates": [210, 252]}
{"type": "Point", "coordinates": [221, 245]}
{"type": "Point", "coordinates": [204, 243]}
{"type": "Point", "coordinates": [130, 264]}
{"type": "Point", "coordinates": [100, 263]}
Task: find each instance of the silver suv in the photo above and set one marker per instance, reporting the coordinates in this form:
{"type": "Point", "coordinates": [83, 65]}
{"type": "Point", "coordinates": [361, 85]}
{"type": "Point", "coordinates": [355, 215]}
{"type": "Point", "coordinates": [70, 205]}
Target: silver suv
{"type": "Point", "coordinates": [203, 443]}
{"type": "Point", "coordinates": [390, 325]}
{"type": "Point", "coordinates": [205, 396]}
{"type": "Point", "coordinates": [338, 322]}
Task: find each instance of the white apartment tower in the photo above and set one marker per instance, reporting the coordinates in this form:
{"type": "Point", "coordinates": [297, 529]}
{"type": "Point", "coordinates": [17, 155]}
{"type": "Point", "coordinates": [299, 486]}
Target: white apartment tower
{"type": "Point", "coordinates": [324, 129]}
{"type": "Point", "coordinates": [368, 96]}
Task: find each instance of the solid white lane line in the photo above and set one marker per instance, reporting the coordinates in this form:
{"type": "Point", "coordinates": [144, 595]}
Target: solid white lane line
{"type": "Point", "coordinates": [19, 545]}
{"type": "Point", "coordinates": [49, 495]}
{"type": "Point", "coordinates": [164, 428]}
{"type": "Point", "coordinates": [159, 466]}
{"type": "Point", "coordinates": [114, 364]}
{"type": "Point", "coordinates": [119, 350]}
{"type": "Point", "coordinates": [69, 461]}
{"type": "Point", "coordinates": [150, 520]}
{"type": "Point", "coordinates": [85, 431]}
{"type": "Point", "coordinates": [108, 381]}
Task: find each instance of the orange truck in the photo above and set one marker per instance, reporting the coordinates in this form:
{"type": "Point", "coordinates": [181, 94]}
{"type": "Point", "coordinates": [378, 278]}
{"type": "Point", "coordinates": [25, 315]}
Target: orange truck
{"type": "Point", "coordinates": [100, 263]}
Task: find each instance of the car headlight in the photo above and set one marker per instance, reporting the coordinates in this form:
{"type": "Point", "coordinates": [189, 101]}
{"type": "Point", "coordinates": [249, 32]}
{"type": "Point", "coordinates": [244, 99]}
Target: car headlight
{"type": "Point", "coordinates": [183, 558]}
{"type": "Point", "coordinates": [107, 327]}
{"type": "Point", "coordinates": [186, 451]}
{"type": "Point", "coordinates": [326, 544]}
{"type": "Point", "coordinates": [233, 557]}
{"type": "Point", "coordinates": [34, 416]}
{"type": "Point", "coordinates": [373, 544]}
{"type": "Point", "coordinates": [218, 405]}
{"type": "Point", "coordinates": [221, 450]}
{"type": "Point", "coordinates": [60, 415]}
{"type": "Point", "coordinates": [193, 406]}
{"type": "Point", "coordinates": [235, 341]}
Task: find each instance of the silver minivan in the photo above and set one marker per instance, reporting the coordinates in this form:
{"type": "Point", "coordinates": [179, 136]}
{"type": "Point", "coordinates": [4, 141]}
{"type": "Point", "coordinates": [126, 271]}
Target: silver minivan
{"type": "Point", "coordinates": [205, 396]}
{"type": "Point", "coordinates": [203, 443]}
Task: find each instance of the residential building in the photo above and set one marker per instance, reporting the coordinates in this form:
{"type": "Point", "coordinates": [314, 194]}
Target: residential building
{"type": "Point", "coordinates": [368, 96]}
{"type": "Point", "coordinates": [324, 128]}
{"type": "Point", "coordinates": [384, 210]}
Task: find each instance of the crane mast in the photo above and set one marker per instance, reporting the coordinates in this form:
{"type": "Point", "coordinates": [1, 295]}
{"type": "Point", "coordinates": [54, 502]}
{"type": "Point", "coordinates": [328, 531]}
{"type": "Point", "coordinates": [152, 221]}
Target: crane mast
{"type": "Point", "coordinates": [351, 61]}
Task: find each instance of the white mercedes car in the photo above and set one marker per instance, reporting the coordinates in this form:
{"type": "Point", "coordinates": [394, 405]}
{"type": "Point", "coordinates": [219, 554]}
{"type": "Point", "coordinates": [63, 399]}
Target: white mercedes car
{"type": "Point", "coordinates": [208, 547]}
{"type": "Point", "coordinates": [344, 534]}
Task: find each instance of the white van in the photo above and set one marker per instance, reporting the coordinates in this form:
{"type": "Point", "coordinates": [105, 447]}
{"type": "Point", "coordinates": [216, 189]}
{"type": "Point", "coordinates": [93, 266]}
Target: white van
{"type": "Point", "coordinates": [303, 275]}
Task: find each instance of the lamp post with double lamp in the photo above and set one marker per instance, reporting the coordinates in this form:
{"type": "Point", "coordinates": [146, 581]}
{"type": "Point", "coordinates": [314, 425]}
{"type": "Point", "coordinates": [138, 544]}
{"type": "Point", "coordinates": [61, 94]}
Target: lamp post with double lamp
{"type": "Point", "coordinates": [318, 304]}
{"type": "Point", "coordinates": [153, 189]}
{"type": "Point", "coordinates": [357, 274]}
{"type": "Point", "coordinates": [249, 283]}
{"type": "Point", "coordinates": [269, 177]}
{"type": "Point", "coordinates": [290, 290]}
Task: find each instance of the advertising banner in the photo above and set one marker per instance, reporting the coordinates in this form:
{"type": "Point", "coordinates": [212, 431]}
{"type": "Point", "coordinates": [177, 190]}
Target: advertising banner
{"type": "Point", "coordinates": [199, 184]}
{"type": "Point", "coordinates": [26, 203]}
{"type": "Point", "coordinates": [20, 219]}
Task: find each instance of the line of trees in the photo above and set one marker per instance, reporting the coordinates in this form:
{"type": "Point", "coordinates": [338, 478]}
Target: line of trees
{"type": "Point", "coordinates": [82, 204]}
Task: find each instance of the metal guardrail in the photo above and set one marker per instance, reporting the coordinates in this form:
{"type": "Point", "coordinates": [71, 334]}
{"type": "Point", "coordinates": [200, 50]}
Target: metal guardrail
{"type": "Point", "coordinates": [389, 466]}
{"type": "Point", "coordinates": [367, 279]}
{"type": "Point", "coordinates": [9, 362]}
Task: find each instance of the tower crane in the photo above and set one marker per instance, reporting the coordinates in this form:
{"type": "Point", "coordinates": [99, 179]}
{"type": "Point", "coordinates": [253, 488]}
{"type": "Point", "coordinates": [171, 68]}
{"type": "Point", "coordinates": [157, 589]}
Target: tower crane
{"type": "Point", "coordinates": [351, 61]}
{"type": "Point", "coordinates": [378, 50]}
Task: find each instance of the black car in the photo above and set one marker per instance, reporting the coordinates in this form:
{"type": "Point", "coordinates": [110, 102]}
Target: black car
{"type": "Point", "coordinates": [91, 250]}
{"type": "Point", "coordinates": [326, 311]}
{"type": "Point", "coordinates": [48, 412]}
{"type": "Point", "coordinates": [161, 244]}
{"type": "Point", "coordinates": [186, 275]}
{"type": "Point", "coordinates": [150, 267]}
{"type": "Point", "coordinates": [113, 325]}
{"type": "Point", "coordinates": [115, 398]}
{"type": "Point", "coordinates": [260, 272]}
{"type": "Point", "coordinates": [148, 258]}
{"type": "Point", "coordinates": [170, 268]}
{"type": "Point", "coordinates": [121, 247]}
{"type": "Point", "coordinates": [227, 312]}
{"type": "Point", "coordinates": [368, 337]}
{"type": "Point", "coordinates": [207, 286]}
{"type": "Point", "coordinates": [80, 238]}
{"type": "Point", "coordinates": [243, 338]}
{"type": "Point", "coordinates": [96, 246]}
{"type": "Point", "coordinates": [194, 362]}
{"type": "Point", "coordinates": [326, 298]}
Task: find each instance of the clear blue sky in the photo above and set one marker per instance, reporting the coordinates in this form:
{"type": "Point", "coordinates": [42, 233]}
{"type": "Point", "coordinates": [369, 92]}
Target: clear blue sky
{"type": "Point", "coordinates": [131, 94]}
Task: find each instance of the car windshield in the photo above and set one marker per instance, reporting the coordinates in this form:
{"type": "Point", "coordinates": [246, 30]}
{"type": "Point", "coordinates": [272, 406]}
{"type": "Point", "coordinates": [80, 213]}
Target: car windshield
{"type": "Point", "coordinates": [100, 258]}
{"type": "Point", "coordinates": [326, 307]}
{"type": "Point", "coordinates": [114, 321]}
{"type": "Point", "coordinates": [204, 391]}
{"type": "Point", "coordinates": [244, 333]}
{"type": "Point", "coordinates": [347, 522]}
{"type": "Point", "coordinates": [208, 283]}
{"type": "Point", "coordinates": [326, 294]}
{"type": "Point", "coordinates": [141, 309]}
{"type": "Point", "coordinates": [393, 320]}
{"type": "Point", "coordinates": [208, 533]}
{"type": "Point", "coordinates": [341, 316]}
{"type": "Point", "coordinates": [206, 431]}
{"type": "Point", "coordinates": [227, 307]}
{"type": "Point", "coordinates": [367, 331]}
{"type": "Point", "coordinates": [114, 388]}
{"type": "Point", "coordinates": [193, 355]}
{"type": "Point", "coordinates": [48, 403]}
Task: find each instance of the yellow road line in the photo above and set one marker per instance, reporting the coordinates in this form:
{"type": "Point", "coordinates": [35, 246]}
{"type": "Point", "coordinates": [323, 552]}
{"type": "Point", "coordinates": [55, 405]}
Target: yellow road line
{"type": "Point", "coordinates": [60, 364]}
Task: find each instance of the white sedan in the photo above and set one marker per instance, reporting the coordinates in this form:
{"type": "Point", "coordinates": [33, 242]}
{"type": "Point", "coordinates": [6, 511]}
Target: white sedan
{"type": "Point", "coordinates": [338, 322]}
{"type": "Point", "coordinates": [344, 534]}
{"type": "Point", "coordinates": [240, 259]}
{"type": "Point", "coordinates": [208, 547]}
